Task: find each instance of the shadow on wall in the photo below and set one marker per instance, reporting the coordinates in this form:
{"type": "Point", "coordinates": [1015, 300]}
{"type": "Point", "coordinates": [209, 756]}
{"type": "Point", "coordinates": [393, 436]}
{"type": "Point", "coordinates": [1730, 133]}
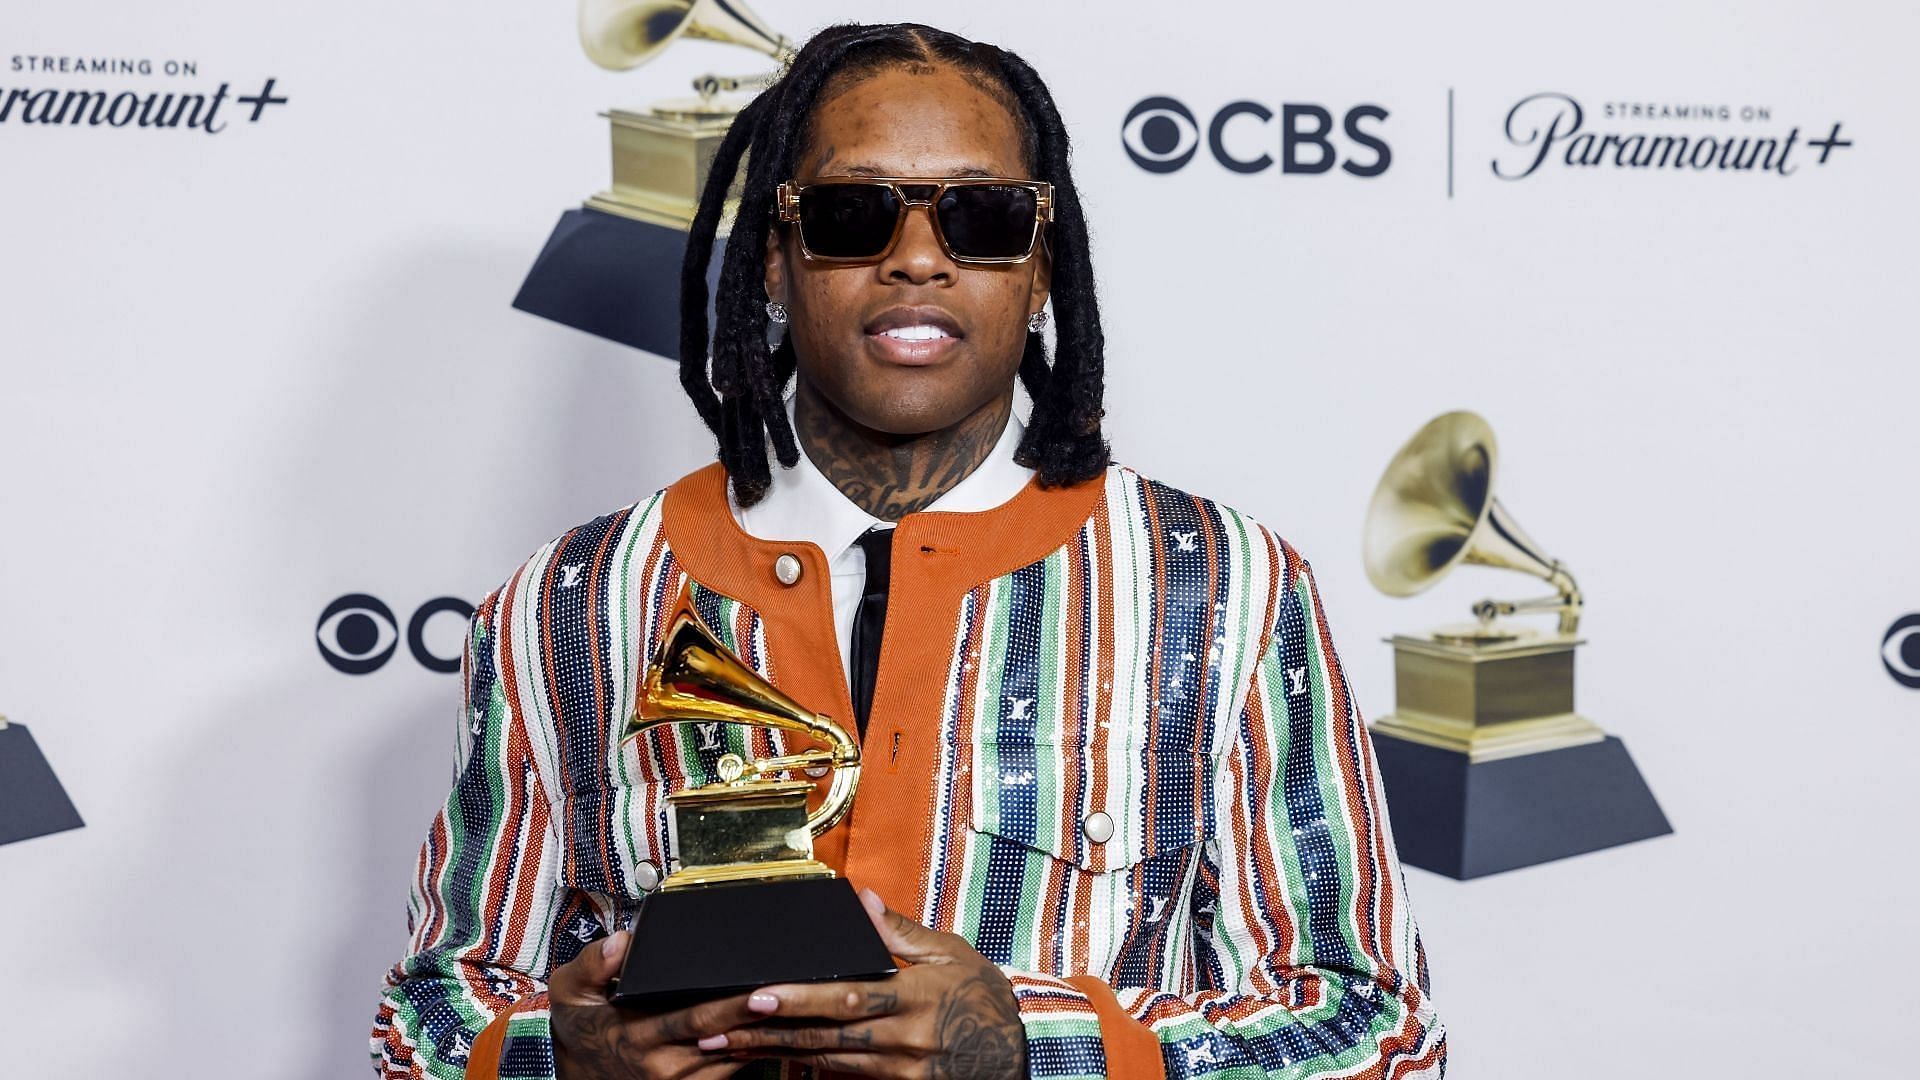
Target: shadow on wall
{"type": "Point", "coordinates": [307, 892]}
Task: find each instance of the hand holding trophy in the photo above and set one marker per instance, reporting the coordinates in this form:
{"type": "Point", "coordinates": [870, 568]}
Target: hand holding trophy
{"type": "Point", "coordinates": [747, 904]}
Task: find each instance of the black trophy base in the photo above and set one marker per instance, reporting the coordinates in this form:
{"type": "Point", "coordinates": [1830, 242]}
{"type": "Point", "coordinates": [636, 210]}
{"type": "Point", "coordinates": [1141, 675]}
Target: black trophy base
{"type": "Point", "coordinates": [32, 802]}
{"type": "Point", "coordinates": [1468, 820]}
{"type": "Point", "coordinates": [615, 278]}
{"type": "Point", "coordinates": [695, 944]}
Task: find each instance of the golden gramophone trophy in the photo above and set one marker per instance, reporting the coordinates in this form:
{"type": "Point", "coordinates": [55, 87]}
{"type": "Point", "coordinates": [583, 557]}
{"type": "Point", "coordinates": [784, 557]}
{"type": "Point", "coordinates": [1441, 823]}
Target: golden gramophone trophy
{"type": "Point", "coordinates": [612, 266]}
{"type": "Point", "coordinates": [1487, 765]}
{"type": "Point", "coordinates": [661, 155]}
{"type": "Point", "coordinates": [744, 903]}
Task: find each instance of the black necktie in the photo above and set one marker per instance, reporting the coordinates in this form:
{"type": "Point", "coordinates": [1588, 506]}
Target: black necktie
{"type": "Point", "coordinates": [869, 620]}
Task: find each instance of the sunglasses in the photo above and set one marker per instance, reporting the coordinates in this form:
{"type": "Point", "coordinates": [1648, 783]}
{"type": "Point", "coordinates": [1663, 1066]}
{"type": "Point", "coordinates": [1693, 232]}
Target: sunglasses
{"type": "Point", "coordinates": [978, 219]}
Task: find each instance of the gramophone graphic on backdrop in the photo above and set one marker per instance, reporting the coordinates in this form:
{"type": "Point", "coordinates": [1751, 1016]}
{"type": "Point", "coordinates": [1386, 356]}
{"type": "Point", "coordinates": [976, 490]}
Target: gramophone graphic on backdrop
{"type": "Point", "coordinates": [1487, 766]}
{"type": "Point", "coordinates": [32, 802]}
{"type": "Point", "coordinates": [612, 266]}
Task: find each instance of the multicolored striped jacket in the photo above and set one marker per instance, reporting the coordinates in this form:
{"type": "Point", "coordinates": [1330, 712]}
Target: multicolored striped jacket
{"type": "Point", "coordinates": [1110, 744]}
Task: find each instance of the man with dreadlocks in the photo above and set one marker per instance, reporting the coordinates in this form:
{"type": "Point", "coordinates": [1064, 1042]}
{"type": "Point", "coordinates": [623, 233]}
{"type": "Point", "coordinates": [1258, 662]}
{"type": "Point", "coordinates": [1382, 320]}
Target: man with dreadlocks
{"type": "Point", "coordinates": [1119, 815]}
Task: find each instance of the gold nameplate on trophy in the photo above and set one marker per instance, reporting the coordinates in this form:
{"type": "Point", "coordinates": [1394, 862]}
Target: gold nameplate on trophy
{"type": "Point", "coordinates": [660, 166]}
{"type": "Point", "coordinates": [1488, 700]}
{"type": "Point", "coordinates": [745, 903]}
{"type": "Point", "coordinates": [662, 155]}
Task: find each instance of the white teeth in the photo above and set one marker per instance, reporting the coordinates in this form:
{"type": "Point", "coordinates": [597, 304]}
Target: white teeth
{"type": "Point", "coordinates": [915, 333]}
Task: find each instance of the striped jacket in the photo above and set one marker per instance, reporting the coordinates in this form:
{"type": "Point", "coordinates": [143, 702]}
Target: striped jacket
{"type": "Point", "coordinates": [1111, 652]}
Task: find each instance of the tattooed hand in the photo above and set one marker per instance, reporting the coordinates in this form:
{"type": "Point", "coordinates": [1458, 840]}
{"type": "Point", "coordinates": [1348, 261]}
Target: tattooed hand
{"type": "Point", "coordinates": [950, 1014]}
{"type": "Point", "coordinates": [595, 1040]}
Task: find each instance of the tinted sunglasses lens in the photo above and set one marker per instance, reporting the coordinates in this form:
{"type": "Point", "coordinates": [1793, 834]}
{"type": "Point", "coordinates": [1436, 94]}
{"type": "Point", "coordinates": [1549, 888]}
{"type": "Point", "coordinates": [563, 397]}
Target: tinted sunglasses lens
{"type": "Point", "coordinates": [988, 221]}
{"type": "Point", "coordinates": [847, 221]}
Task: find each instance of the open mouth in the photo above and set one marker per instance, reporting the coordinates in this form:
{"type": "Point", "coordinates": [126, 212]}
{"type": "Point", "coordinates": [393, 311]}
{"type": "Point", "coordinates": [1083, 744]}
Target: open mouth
{"type": "Point", "coordinates": [913, 335]}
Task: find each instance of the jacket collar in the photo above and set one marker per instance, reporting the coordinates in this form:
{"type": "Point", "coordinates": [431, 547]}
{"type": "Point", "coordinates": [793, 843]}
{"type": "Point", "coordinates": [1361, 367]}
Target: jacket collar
{"type": "Point", "coordinates": [974, 546]}
{"type": "Point", "coordinates": [802, 504]}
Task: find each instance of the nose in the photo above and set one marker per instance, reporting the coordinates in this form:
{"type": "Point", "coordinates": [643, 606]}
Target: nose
{"type": "Point", "coordinates": [917, 258]}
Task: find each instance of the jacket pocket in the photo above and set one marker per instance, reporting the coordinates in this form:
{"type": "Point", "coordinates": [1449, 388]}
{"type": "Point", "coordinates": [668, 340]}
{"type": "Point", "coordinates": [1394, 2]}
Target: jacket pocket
{"type": "Point", "coordinates": [1101, 810]}
{"type": "Point", "coordinates": [1077, 860]}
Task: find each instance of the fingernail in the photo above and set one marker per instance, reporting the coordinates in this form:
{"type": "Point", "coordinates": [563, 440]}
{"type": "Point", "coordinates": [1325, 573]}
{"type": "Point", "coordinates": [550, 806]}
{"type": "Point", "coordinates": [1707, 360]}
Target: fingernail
{"type": "Point", "coordinates": [872, 902]}
{"type": "Point", "coordinates": [763, 1003]}
{"type": "Point", "coordinates": [714, 1042]}
{"type": "Point", "coordinates": [609, 949]}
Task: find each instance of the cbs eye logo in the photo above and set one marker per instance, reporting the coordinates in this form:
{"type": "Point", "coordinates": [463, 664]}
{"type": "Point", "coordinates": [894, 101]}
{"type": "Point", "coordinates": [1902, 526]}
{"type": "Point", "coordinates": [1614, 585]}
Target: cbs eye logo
{"type": "Point", "coordinates": [1900, 651]}
{"type": "Point", "coordinates": [357, 633]}
{"type": "Point", "coordinates": [1162, 135]}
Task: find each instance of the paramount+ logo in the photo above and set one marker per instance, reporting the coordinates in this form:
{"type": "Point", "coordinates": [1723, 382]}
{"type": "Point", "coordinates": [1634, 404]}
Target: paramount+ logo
{"type": "Point", "coordinates": [1162, 135]}
{"type": "Point", "coordinates": [357, 633]}
{"type": "Point", "coordinates": [183, 103]}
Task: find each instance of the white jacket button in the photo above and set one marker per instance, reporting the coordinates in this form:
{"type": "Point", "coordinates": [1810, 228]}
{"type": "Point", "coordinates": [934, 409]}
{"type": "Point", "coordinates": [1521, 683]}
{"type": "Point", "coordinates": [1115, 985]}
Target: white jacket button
{"type": "Point", "coordinates": [1098, 827]}
{"type": "Point", "coordinates": [646, 874]}
{"type": "Point", "coordinates": [787, 569]}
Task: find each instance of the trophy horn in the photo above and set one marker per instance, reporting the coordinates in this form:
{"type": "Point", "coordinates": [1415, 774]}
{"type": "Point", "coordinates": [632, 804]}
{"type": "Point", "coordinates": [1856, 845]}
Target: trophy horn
{"type": "Point", "coordinates": [623, 34]}
{"type": "Point", "coordinates": [1434, 508]}
{"type": "Point", "coordinates": [695, 678]}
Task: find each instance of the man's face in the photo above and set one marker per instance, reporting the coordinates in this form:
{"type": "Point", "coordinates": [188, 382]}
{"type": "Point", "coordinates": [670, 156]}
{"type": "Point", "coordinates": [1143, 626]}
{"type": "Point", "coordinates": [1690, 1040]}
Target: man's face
{"type": "Point", "coordinates": [895, 123]}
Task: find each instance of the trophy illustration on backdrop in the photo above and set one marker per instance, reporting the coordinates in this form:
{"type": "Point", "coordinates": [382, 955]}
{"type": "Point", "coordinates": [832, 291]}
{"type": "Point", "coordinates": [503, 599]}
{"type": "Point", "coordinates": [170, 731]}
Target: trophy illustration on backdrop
{"type": "Point", "coordinates": [612, 266]}
{"type": "Point", "coordinates": [745, 903]}
{"type": "Point", "coordinates": [32, 802]}
{"type": "Point", "coordinates": [1487, 766]}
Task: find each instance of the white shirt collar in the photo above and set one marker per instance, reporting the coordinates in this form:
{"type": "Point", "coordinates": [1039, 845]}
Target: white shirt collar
{"type": "Point", "coordinates": [802, 504]}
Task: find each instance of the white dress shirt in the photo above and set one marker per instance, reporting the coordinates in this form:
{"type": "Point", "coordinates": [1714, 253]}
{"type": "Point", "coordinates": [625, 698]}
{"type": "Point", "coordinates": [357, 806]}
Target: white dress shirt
{"type": "Point", "coordinates": [802, 505]}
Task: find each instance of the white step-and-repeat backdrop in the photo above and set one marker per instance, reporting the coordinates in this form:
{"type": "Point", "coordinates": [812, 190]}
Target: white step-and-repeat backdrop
{"type": "Point", "coordinates": [264, 360]}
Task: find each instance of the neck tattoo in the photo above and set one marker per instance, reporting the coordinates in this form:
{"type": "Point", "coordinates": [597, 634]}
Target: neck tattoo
{"type": "Point", "coordinates": [891, 476]}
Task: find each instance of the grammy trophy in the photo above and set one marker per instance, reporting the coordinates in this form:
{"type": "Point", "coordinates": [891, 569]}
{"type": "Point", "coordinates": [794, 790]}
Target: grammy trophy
{"type": "Point", "coordinates": [611, 266]}
{"type": "Point", "coordinates": [745, 903]}
{"type": "Point", "coordinates": [1487, 765]}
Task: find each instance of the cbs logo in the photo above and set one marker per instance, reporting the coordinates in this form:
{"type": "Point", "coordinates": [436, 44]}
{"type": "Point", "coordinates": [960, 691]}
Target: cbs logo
{"type": "Point", "coordinates": [1161, 135]}
{"type": "Point", "coordinates": [357, 633]}
{"type": "Point", "coordinates": [1900, 651]}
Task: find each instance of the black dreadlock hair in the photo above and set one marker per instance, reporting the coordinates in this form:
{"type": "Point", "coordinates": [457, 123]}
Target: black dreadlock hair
{"type": "Point", "coordinates": [739, 393]}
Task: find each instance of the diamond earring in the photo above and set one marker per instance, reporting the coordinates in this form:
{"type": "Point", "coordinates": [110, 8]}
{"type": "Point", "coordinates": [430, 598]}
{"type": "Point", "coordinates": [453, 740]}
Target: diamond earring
{"type": "Point", "coordinates": [776, 311]}
{"type": "Point", "coordinates": [1037, 321]}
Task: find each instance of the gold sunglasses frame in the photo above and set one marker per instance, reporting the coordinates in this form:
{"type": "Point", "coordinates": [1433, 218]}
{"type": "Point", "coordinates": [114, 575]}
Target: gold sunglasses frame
{"type": "Point", "coordinates": [787, 209]}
